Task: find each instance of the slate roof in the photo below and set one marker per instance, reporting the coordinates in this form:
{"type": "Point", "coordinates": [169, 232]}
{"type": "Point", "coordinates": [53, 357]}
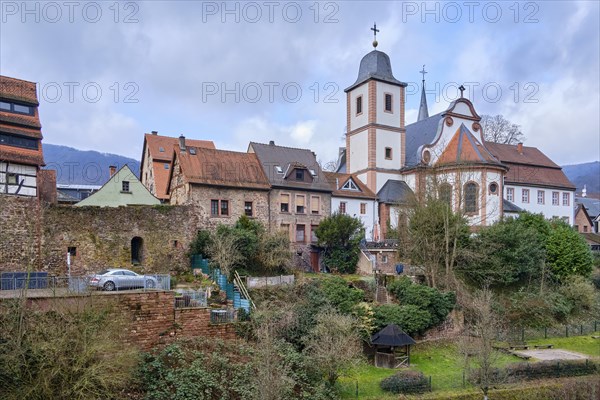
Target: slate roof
{"type": "Point", "coordinates": [418, 134]}
{"type": "Point", "coordinates": [272, 156]}
{"type": "Point", "coordinates": [392, 335]}
{"type": "Point", "coordinates": [375, 65]}
{"type": "Point", "coordinates": [20, 91]}
{"type": "Point", "coordinates": [155, 143]}
{"type": "Point", "coordinates": [592, 206]}
{"type": "Point", "coordinates": [509, 207]}
{"type": "Point", "coordinates": [395, 192]}
{"type": "Point", "coordinates": [221, 168]}
{"type": "Point", "coordinates": [340, 179]}
{"type": "Point", "coordinates": [465, 148]}
{"type": "Point", "coordinates": [530, 167]}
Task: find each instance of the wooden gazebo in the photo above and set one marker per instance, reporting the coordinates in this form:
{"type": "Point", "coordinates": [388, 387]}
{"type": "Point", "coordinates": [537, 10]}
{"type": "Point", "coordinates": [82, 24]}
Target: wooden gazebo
{"type": "Point", "coordinates": [392, 347]}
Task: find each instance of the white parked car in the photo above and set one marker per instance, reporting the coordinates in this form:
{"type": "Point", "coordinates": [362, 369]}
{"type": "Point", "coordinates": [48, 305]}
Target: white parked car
{"type": "Point", "coordinates": [119, 279]}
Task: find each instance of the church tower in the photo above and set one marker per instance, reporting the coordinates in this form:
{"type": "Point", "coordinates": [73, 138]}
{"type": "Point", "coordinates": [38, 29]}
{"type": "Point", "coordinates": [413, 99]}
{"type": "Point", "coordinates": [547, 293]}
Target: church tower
{"type": "Point", "coordinates": [375, 136]}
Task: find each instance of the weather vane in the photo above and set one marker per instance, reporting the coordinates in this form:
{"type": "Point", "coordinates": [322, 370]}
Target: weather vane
{"type": "Point", "coordinates": [462, 89]}
{"type": "Point", "coordinates": [375, 30]}
{"type": "Point", "coordinates": [423, 72]}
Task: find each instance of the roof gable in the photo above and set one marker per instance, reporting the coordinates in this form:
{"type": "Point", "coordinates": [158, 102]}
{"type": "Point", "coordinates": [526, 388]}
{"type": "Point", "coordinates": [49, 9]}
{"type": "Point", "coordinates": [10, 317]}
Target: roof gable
{"type": "Point", "coordinates": [272, 156]}
{"type": "Point", "coordinates": [220, 168]}
{"type": "Point", "coordinates": [112, 193]}
{"type": "Point", "coordinates": [465, 148]}
{"type": "Point", "coordinates": [338, 181]}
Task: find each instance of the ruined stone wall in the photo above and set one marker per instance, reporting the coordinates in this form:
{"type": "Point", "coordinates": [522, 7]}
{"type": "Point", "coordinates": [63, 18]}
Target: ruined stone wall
{"type": "Point", "coordinates": [20, 233]}
{"type": "Point", "coordinates": [103, 237]}
{"type": "Point", "coordinates": [36, 237]}
{"type": "Point", "coordinates": [150, 317]}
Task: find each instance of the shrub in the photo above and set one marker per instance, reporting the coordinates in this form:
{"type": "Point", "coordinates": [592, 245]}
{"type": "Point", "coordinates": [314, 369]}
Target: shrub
{"type": "Point", "coordinates": [410, 318]}
{"type": "Point", "coordinates": [406, 382]}
{"type": "Point", "coordinates": [63, 354]}
{"type": "Point", "coordinates": [198, 369]}
{"type": "Point", "coordinates": [438, 304]}
{"type": "Point", "coordinates": [341, 294]}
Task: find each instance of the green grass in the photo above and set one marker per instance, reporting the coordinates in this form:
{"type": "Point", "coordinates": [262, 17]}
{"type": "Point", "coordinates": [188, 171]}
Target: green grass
{"type": "Point", "coordinates": [580, 344]}
{"type": "Point", "coordinates": [440, 360]}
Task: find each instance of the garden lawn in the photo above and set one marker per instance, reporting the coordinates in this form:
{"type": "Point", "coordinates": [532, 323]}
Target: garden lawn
{"type": "Point", "coordinates": [580, 344]}
{"type": "Point", "coordinates": [440, 360]}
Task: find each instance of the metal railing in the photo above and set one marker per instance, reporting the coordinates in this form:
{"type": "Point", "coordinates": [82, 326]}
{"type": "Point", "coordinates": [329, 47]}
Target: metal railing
{"type": "Point", "coordinates": [78, 284]}
{"type": "Point", "coordinates": [222, 316]}
{"type": "Point", "coordinates": [191, 298]}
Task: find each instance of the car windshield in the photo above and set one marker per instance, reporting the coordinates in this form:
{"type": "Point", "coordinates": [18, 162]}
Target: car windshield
{"type": "Point", "coordinates": [106, 271]}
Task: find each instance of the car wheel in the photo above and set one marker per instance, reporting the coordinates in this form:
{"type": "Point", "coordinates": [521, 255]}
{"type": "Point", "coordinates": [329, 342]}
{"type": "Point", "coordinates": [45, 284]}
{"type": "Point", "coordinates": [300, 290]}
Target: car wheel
{"type": "Point", "coordinates": [109, 286]}
{"type": "Point", "coordinates": [150, 284]}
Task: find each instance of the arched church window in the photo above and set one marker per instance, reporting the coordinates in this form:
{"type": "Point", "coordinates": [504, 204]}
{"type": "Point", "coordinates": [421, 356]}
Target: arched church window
{"type": "Point", "coordinates": [470, 196]}
{"type": "Point", "coordinates": [445, 193]}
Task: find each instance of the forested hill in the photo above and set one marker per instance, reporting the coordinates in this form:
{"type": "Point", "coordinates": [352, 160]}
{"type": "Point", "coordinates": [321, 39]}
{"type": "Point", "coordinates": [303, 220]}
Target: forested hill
{"type": "Point", "coordinates": [83, 167]}
{"type": "Point", "coordinates": [584, 174]}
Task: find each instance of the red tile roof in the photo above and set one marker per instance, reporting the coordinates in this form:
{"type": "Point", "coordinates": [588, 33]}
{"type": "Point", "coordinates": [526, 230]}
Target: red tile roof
{"type": "Point", "coordinates": [337, 180]}
{"type": "Point", "coordinates": [529, 167]}
{"type": "Point", "coordinates": [155, 142]}
{"type": "Point", "coordinates": [222, 168]}
{"type": "Point", "coordinates": [465, 148]}
{"type": "Point", "coordinates": [161, 175]}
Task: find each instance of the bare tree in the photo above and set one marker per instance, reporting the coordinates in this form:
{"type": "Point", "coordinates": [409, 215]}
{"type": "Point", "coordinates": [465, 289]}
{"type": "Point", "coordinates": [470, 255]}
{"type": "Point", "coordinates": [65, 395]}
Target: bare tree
{"type": "Point", "coordinates": [334, 343]}
{"type": "Point", "coordinates": [483, 326]}
{"type": "Point", "coordinates": [498, 129]}
{"type": "Point", "coordinates": [274, 250]}
{"type": "Point", "coordinates": [225, 252]}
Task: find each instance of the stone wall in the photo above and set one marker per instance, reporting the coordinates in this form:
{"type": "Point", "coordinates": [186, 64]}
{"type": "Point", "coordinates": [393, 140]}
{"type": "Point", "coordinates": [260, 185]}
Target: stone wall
{"type": "Point", "coordinates": [200, 196]}
{"type": "Point", "coordinates": [151, 317]}
{"type": "Point", "coordinates": [102, 237]}
{"type": "Point", "coordinates": [20, 233]}
{"type": "Point", "coordinates": [37, 237]}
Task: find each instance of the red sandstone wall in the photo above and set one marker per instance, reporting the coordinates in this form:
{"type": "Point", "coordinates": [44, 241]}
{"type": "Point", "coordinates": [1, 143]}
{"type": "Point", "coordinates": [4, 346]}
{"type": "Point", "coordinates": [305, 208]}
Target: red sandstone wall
{"type": "Point", "coordinates": [151, 317]}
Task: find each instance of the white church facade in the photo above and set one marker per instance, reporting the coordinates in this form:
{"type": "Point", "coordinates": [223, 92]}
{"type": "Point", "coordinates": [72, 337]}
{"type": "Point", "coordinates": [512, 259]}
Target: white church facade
{"type": "Point", "coordinates": [445, 154]}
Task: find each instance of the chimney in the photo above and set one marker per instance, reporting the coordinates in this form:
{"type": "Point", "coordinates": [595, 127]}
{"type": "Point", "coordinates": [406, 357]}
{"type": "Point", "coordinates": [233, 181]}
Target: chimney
{"type": "Point", "coordinates": [155, 132]}
{"type": "Point", "coordinates": [112, 169]}
{"type": "Point", "coordinates": [520, 147]}
{"type": "Point", "coordinates": [271, 143]}
{"type": "Point", "coordinates": [182, 143]}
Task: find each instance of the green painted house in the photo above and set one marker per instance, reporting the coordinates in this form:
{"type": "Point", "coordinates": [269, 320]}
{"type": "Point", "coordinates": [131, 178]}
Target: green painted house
{"type": "Point", "coordinates": [122, 189]}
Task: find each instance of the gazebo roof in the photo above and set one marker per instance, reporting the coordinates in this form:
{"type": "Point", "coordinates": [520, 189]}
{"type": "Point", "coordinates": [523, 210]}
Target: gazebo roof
{"type": "Point", "coordinates": [391, 335]}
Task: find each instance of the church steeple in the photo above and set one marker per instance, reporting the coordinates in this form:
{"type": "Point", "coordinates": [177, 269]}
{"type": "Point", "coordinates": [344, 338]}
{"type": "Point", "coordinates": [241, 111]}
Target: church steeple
{"type": "Point", "coordinates": [423, 112]}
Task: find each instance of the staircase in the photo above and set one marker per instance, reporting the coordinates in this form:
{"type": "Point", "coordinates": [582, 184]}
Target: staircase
{"type": "Point", "coordinates": [235, 291]}
{"type": "Point", "coordinates": [381, 294]}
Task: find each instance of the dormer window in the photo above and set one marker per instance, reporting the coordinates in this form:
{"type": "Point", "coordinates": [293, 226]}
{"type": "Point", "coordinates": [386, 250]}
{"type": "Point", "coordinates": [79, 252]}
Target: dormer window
{"type": "Point", "coordinates": [350, 185]}
{"type": "Point", "coordinates": [161, 149]}
{"type": "Point", "coordinates": [299, 174]}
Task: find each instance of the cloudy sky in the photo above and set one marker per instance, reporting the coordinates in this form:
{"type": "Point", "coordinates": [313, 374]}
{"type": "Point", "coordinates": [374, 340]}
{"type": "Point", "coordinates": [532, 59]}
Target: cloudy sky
{"type": "Point", "coordinates": [233, 72]}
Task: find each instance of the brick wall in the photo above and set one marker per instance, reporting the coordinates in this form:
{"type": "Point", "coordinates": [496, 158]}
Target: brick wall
{"type": "Point", "coordinates": [150, 317]}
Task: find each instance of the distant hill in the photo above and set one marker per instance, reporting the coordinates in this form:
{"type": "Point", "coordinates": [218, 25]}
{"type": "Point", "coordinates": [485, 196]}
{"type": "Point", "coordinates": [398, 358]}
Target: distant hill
{"type": "Point", "coordinates": [584, 174]}
{"type": "Point", "coordinates": [83, 167]}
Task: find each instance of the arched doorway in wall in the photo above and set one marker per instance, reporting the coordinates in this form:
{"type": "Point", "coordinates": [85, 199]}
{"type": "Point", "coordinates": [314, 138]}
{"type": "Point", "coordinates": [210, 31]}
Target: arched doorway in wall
{"type": "Point", "coordinates": [137, 250]}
